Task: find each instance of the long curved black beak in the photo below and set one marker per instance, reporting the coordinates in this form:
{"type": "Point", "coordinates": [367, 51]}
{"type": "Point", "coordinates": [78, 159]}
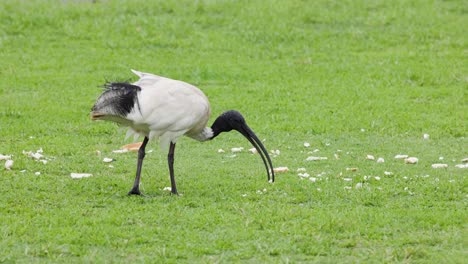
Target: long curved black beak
{"type": "Point", "coordinates": [232, 119]}
{"type": "Point", "coordinates": [250, 135]}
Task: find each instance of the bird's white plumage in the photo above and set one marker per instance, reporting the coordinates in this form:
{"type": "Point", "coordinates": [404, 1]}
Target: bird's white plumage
{"type": "Point", "coordinates": [167, 109]}
{"type": "Point", "coordinates": [161, 108]}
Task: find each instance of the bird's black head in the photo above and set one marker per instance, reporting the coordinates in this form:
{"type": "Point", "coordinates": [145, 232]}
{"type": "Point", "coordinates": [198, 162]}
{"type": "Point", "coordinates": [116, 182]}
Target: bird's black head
{"type": "Point", "coordinates": [232, 119]}
{"type": "Point", "coordinates": [227, 121]}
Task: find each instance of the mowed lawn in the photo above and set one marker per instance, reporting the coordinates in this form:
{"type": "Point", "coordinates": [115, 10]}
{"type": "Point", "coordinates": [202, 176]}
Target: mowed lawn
{"type": "Point", "coordinates": [355, 80]}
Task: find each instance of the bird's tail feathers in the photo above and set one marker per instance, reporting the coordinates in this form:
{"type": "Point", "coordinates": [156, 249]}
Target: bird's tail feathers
{"type": "Point", "coordinates": [144, 74]}
{"type": "Point", "coordinates": [138, 73]}
{"type": "Point", "coordinates": [132, 133]}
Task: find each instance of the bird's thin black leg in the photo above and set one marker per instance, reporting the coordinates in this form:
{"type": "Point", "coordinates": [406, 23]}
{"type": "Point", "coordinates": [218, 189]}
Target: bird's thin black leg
{"type": "Point", "coordinates": [141, 155]}
{"type": "Point", "coordinates": [170, 160]}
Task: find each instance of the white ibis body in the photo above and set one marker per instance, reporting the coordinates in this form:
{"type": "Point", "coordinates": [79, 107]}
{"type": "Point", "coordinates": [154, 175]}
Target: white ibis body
{"type": "Point", "coordinates": [156, 107]}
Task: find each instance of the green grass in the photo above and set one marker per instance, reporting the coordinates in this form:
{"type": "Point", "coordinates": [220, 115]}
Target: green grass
{"type": "Point", "coordinates": [363, 77]}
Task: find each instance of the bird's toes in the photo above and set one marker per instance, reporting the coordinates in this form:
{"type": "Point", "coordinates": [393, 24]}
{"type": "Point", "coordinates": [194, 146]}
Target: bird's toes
{"type": "Point", "coordinates": [134, 192]}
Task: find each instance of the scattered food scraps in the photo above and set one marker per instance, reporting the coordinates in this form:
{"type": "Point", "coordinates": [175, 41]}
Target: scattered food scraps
{"type": "Point", "coordinates": [465, 160]}
{"type": "Point", "coordinates": [134, 147]}
{"type": "Point", "coordinates": [221, 151]}
{"type": "Point", "coordinates": [235, 150]}
{"type": "Point", "coordinates": [303, 175]}
{"type": "Point", "coordinates": [462, 166]}
{"type": "Point", "coordinates": [167, 189]}
{"type": "Point", "coordinates": [380, 160]}
{"type": "Point", "coordinates": [401, 156]}
{"type": "Point", "coordinates": [351, 169]}
{"type": "Point", "coordinates": [370, 157]}
{"type": "Point", "coordinates": [301, 170]}
{"type": "Point", "coordinates": [411, 160]}
{"type": "Point", "coordinates": [306, 144]}
{"type": "Point", "coordinates": [313, 179]}
{"type": "Point", "coordinates": [34, 155]}
{"type": "Point", "coordinates": [275, 152]}
{"type": "Point", "coordinates": [313, 158]}
{"type": "Point", "coordinates": [120, 151]}
{"type": "Point", "coordinates": [108, 160]}
{"type": "Point", "coordinates": [426, 136]}
{"type": "Point", "coordinates": [253, 150]}
{"type": "Point", "coordinates": [37, 173]}
{"type": "Point", "coordinates": [5, 157]}
{"type": "Point", "coordinates": [347, 179]}
{"type": "Point", "coordinates": [439, 165]}
{"type": "Point", "coordinates": [80, 175]}
{"type": "Point", "coordinates": [388, 173]}
{"type": "Point", "coordinates": [9, 164]}
{"type": "Point", "coordinates": [281, 169]}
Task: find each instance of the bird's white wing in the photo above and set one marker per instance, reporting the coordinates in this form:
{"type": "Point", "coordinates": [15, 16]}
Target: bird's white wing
{"type": "Point", "coordinates": [170, 108]}
{"type": "Point", "coordinates": [144, 74]}
{"type": "Point", "coordinates": [146, 79]}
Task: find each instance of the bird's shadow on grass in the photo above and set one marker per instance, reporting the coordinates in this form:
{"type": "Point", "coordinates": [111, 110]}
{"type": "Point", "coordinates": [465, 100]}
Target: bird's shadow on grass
{"type": "Point", "coordinates": [119, 196]}
{"type": "Point", "coordinates": [155, 195]}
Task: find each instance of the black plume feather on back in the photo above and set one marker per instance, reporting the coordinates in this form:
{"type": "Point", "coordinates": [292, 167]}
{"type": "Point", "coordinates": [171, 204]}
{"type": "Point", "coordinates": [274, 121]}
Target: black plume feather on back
{"type": "Point", "coordinates": [122, 96]}
{"type": "Point", "coordinates": [121, 86]}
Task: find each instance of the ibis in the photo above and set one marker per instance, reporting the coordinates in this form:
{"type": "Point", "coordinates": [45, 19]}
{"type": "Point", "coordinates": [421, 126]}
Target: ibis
{"type": "Point", "coordinates": [157, 107]}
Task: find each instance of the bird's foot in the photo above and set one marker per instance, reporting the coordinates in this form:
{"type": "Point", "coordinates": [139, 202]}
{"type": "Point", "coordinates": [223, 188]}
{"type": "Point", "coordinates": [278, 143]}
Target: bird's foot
{"type": "Point", "coordinates": [134, 192]}
{"type": "Point", "coordinates": [174, 192]}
